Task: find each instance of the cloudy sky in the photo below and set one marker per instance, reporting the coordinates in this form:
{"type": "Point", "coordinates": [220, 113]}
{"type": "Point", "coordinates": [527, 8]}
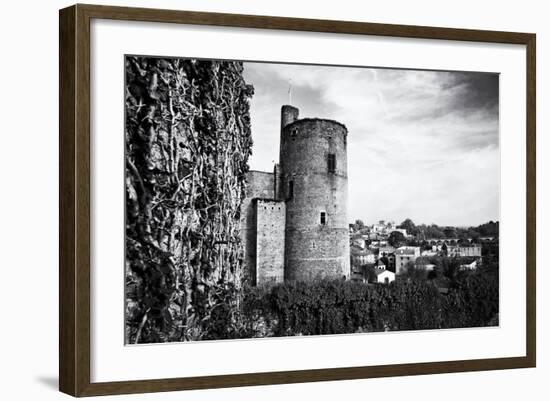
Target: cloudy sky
{"type": "Point", "coordinates": [422, 144]}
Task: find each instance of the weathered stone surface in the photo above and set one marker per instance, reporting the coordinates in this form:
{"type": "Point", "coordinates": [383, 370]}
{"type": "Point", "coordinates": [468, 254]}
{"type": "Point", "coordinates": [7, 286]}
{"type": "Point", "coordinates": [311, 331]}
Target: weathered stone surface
{"type": "Point", "coordinates": [270, 241]}
{"type": "Point", "coordinates": [310, 180]}
{"type": "Point", "coordinates": [315, 250]}
{"type": "Point", "coordinates": [259, 184]}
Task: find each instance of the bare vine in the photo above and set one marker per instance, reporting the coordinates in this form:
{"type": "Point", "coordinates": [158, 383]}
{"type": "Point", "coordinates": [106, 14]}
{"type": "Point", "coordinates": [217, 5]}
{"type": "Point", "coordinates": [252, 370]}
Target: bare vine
{"type": "Point", "coordinates": [187, 146]}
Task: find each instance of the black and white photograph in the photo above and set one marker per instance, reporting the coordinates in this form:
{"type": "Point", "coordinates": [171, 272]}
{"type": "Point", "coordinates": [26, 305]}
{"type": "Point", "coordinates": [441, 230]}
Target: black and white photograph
{"type": "Point", "coordinates": [275, 200]}
{"type": "Point", "coordinates": [267, 199]}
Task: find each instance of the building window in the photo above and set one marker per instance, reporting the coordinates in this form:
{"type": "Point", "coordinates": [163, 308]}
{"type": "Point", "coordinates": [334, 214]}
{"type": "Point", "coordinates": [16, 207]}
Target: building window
{"type": "Point", "coordinates": [323, 218]}
{"type": "Point", "coordinates": [331, 163]}
{"type": "Point", "coordinates": [293, 133]}
{"type": "Point", "coordinates": [290, 189]}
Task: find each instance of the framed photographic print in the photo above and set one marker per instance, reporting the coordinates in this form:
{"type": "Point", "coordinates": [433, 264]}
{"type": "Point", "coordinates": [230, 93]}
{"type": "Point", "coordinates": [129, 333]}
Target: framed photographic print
{"type": "Point", "coordinates": [250, 200]}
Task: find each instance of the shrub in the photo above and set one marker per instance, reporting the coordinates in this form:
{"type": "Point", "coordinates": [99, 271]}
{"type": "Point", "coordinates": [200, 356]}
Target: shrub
{"type": "Point", "coordinates": [338, 307]}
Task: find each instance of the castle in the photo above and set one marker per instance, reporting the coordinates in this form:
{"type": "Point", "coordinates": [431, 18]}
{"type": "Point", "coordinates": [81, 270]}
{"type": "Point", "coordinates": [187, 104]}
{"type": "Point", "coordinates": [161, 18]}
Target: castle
{"type": "Point", "coordinates": [294, 223]}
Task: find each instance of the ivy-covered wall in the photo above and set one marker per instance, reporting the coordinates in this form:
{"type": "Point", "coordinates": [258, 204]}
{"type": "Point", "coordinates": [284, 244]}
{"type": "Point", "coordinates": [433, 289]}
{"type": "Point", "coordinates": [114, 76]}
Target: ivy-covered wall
{"type": "Point", "coordinates": [188, 141]}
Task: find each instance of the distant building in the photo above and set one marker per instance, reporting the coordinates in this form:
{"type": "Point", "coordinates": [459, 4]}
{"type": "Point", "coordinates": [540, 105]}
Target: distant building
{"type": "Point", "coordinates": [488, 239]}
{"type": "Point", "coordinates": [373, 236]}
{"type": "Point", "coordinates": [378, 227]}
{"type": "Point", "coordinates": [469, 264]}
{"type": "Point", "coordinates": [361, 257]}
{"type": "Point", "coordinates": [358, 273]}
{"type": "Point", "coordinates": [358, 242]}
{"type": "Point", "coordinates": [463, 251]}
{"type": "Point", "coordinates": [380, 265]}
{"type": "Point", "coordinates": [386, 250]}
{"type": "Point", "coordinates": [424, 264]}
{"type": "Point", "coordinates": [383, 227]}
{"type": "Point", "coordinates": [391, 262]}
{"type": "Point", "coordinates": [402, 231]}
{"type": "Point", "coordinates": [384, 276]}
{"type": "Point", "coordinates": [378, 243]}
{"type": "Point", "coordinates": [404, 255]}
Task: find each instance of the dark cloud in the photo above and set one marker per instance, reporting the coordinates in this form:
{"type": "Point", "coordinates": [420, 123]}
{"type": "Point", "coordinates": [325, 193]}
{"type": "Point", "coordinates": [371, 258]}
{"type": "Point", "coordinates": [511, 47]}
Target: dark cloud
{"type": "Point", "coordinates": [480, 90]}
{"type": "Point", "coordinates": [431, 136]}
{"type": "Point", "coordinates": [458, 94]}
{"type": "Point", "coordinates": [466, 104]}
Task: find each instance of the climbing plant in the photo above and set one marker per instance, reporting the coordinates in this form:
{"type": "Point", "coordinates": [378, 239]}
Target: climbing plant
{"type": "Point", "coordinates": [187, 146]}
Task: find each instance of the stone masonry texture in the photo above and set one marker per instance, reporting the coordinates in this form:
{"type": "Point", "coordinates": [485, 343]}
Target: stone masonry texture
{"type": "Point", "coordinates": [294, 220]}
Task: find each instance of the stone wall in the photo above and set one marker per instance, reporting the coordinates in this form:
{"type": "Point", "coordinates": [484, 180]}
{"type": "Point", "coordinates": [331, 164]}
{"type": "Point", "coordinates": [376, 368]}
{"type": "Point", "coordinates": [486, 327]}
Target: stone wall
{"type": "Point", "coordinates": [259, 184]}
{"type": "Point", "coordinates": [270, 241]}
{"type": "Point", "coordinates": [283, 235]}
{"type": "Point", "coordinates": [315, 250]}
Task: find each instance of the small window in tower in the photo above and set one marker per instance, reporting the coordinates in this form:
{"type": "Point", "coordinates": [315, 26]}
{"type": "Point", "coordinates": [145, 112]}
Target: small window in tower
{"type": "Point", "coordinates": [331, 163]}
{"type": "Point", "coordinates": [323, 218]}
{"type": "Point", "coordinates": [290, 189]}
{"type": "Point", "coordinates": [293, 133]}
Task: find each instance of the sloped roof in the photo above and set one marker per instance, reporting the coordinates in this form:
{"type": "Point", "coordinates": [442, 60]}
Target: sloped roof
{"type": "Point", "coordinates": [387, 249]}
{"type": "Point", "coordinates": [407, 250]}
{"type": "Point", "coordinates": [379, 272]}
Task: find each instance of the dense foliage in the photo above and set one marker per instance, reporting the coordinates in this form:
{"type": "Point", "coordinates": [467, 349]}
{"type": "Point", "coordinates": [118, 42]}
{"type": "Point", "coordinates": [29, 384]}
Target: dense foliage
{"type": "Point", "coordinates": [336, 307]}
{"type": "Point", "coordinates": [489, 229]}
{"type": "Point", "coordinates": [188, 141]}
{"type": "Point", "coordinates": [396, 239]}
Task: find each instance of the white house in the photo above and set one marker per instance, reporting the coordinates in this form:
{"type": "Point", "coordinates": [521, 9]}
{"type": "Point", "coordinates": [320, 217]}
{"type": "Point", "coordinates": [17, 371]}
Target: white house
{"type": "Point", "coordinates": [469, 266]}
{"type": "Point", "coordinates": [384, 276]}
{"type": "Point", "coordinates": [402, 231]}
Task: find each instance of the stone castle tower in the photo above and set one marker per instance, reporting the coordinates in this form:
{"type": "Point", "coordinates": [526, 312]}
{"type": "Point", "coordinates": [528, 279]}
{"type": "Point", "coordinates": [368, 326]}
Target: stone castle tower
{"type": "Point", "coordinates": [294, 220]}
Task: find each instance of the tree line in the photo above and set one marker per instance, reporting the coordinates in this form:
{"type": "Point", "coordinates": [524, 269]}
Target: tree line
{"type": "Point", "coordinates": [489, 229]}
{"type": "Point", "coordinates": [428, 231]}
{"type": "Point", "coordinates": [341, 307]}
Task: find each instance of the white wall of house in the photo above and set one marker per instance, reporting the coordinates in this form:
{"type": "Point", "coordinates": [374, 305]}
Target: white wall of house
{"type": "Point", "coordinates": [385, 277]}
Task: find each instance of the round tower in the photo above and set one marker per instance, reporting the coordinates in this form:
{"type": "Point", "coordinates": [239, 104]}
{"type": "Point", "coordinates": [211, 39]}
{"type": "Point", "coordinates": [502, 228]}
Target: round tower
{"type": "Point", "coordinates": [314, 183]}
{"type": "Point", "coordinates": [289, 114]}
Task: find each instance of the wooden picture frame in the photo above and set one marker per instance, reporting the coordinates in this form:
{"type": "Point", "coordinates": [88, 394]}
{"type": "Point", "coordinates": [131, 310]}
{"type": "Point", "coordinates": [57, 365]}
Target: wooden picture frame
{"type": "Point", "coordinates": [74, 200]}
